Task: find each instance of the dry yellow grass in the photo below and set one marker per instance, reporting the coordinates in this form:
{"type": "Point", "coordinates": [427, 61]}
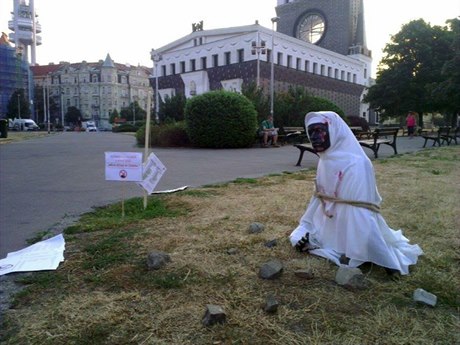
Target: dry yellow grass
{"type": "Point", "coordinates": [127, 304]}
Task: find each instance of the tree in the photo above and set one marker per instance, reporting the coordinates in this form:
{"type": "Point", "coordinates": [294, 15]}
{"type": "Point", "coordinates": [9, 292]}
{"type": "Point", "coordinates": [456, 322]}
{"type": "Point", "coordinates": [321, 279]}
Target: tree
{"type": "Point", "coordinates": [133, 112]}
{"type": "Point", "coordinates": [447, 91]}
{"type": "Point", "coordinates": [258, 97]}
{"type": "Point", "coordinates": [172, 108]}
{"type": "Point", "coordinates": [113, 115]}
{"type": "Point", "coordinates": [413, 61]}
{"type": "Point", "coordinates": [73, 115]}
{"type": "Point", "coordinates": [18, 105]}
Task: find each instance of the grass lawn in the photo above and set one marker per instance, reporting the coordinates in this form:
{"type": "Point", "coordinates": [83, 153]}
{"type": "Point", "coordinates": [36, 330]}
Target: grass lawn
{"type": "Point", "coordinates": [103, 292]}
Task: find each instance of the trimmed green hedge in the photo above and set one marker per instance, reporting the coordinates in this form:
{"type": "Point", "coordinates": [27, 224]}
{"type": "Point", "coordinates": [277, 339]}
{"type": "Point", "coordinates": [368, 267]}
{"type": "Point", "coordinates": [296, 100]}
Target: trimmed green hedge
{"type": "Point", "coordinates": [166, 135]}
{"type": "Point", "coordinates": [221, 119]}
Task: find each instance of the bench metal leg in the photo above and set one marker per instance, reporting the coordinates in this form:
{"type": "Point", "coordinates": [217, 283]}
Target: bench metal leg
{"type": "Point", "coordinates": [300, 157]}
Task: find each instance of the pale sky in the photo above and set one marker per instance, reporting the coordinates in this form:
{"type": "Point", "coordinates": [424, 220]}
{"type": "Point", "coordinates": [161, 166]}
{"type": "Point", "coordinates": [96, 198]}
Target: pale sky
{"type": "Point", "coordinates": [77, 30]}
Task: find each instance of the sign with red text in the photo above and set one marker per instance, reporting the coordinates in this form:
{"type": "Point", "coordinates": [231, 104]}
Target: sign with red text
{"type": "Point", "coordinates": [123, 166]}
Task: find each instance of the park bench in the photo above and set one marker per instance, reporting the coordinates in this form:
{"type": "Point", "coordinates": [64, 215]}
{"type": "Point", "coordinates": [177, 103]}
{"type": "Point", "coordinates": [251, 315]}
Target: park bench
{"type": "Point", "coordinates": [379, 136]}
{"type": "Point", "coordinates": [438, 137]}
{"type": "Point", "coordinates": [385, 136]}
{"type": "Point", "coordinates": [453, 135]}
{"type": "Point", "coordinates": [294, 135]}
{"type": "Point", "coordinates": [304, 147]}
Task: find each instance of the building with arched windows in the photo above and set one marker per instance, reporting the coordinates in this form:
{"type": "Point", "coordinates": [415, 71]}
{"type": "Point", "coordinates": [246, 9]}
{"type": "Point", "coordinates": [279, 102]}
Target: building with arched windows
{"type": "Point", "coordinates": [318, 44]}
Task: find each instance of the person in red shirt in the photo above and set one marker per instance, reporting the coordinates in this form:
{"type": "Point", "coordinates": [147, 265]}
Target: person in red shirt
{"type": "Point", "coordinates": [411, 123]}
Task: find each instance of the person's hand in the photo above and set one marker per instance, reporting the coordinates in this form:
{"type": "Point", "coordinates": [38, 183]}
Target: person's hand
{"type": "Point", "coordinates": [303, 244]}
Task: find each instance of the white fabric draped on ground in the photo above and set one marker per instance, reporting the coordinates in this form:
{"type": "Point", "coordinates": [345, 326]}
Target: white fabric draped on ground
{"type": "Point", "coordinates": [345, 172]}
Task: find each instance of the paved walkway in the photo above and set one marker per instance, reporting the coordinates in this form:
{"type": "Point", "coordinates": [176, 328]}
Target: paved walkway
{"type": "Point", "coordinates": [46, 181]}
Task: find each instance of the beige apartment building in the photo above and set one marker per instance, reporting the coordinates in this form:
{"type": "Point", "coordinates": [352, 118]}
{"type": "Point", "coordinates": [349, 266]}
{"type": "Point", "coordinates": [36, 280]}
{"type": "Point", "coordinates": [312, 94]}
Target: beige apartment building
{"type": "Point", "coordinates": [96, 89]}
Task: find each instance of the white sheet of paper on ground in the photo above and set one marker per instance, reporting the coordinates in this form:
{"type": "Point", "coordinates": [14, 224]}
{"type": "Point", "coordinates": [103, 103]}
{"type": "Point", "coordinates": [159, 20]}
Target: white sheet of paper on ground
{"type": "Point", "coordinates": [44, 255]}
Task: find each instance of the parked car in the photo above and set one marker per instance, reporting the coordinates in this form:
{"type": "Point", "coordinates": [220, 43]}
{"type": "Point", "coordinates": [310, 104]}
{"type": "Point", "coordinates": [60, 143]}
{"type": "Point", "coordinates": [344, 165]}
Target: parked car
{"type": "Point", "coordinates": [91, 128]}
{"type": "Point", "coordinates": [25, 125]}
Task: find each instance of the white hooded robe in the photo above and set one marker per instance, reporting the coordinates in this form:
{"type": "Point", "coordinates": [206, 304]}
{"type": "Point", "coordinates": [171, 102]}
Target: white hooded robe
{"type": "Point", "coordinates": [344, 171]}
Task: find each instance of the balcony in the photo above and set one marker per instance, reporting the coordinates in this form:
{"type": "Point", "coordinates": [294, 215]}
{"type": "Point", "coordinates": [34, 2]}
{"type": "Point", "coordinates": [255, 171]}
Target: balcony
{"type": "Point", "coordinates": [25, 24]}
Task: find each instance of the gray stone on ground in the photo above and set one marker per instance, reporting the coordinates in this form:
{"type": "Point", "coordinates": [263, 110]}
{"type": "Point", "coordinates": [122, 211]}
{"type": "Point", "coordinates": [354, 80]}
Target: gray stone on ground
{"type": "Point", "coordinates": [232, 251]}
{"type": "Point", "coordinates": [351, 278]}
{"type": "Point", "coordinates": [425, 297]}
{"type": "Point", "coordinates": [256, 228]}
{"type": "Point", "coordinates": [157, 259]}
{"type": "Point", "coordinates": [304, 274]}
{"type": "Point", "coordinates": [271, 304]}
{"type": "Point", "coordinates": [214, 314]}
{"type": "Point", "coordinates": [271, 269]}
{"type": "Point", "coordinates": [271, 243]}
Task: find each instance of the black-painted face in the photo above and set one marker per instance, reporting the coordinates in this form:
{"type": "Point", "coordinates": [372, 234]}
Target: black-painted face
{"type": "Point", "coordinates": [319, 136]}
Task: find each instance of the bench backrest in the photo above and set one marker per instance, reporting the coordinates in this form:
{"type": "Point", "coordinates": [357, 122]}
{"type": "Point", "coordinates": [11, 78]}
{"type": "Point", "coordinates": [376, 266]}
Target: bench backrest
{"type": "Point", "coordinates": [383, 132]}
{"type": "Point", "coordinates": [444, 130]}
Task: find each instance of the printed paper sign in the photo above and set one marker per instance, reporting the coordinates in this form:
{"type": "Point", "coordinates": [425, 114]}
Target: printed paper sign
{"type": "Point", "coordinates": [153, 170]}
{"type": "Point", "coordinates": [123, 166]}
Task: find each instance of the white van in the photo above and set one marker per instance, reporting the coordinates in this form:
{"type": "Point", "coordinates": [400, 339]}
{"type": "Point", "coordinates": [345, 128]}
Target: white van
{"type": "Point", "coordinates": [25, 125]}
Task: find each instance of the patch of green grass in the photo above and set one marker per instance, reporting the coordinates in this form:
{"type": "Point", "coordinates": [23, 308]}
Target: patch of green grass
{"type": "Point", "coordinates": [38, 237]}
{"type": "Point", "coordinates": [110, 217]}
{"type": "Point", "coordinates": [241, 180]}
{"type": "Point", "coordinates": [110, 250]}
{"type": "Point", "coordinates": [200, 193]}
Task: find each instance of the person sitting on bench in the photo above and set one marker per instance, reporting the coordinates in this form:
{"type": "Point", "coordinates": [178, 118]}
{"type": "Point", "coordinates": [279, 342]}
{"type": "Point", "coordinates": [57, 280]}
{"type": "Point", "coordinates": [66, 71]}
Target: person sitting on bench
{"type": "Point", "coordinates": [268, 131]}
{"type": "Point", "coordinates": [343, 222]}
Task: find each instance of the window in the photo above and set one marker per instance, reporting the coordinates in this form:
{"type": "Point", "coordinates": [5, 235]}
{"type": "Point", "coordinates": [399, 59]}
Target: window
{"type": "Point", "coordinates": [240, 55]}
{"type": "Point", "coordinates": [279, 58]}
{"type": "Point", "coordinates": [227, 58]}
{"type": "Point", "coordinates": [315, 68]}
{"type": "Point", "coordinates": [289, 61]}
{"type": "Point", "coordinates": [365, 73]}
{"type": "Point", "coordinates": [215, 60]}
{"type": "Point", "coordinates": [329, 72]}
{"type": "Point", "coordinates": [298, 64]}
{"type": "Point", "coordinates": [182, 66]}
{"type": "Point", "coordinates": [322, 70]}
{"type": "Point", "coordinates": [348, 76]}
{"type": "Point", "coordinates": [354, 78]}
{"type": "Point", "coordinates": [172, 68]}
{"type": "Point", "coordinates": [307, 66]}
{"type": "Point", "coordinates": [192, 65]}
{"type": "Point", "coordinates": [204, 63]}
{"type": "Point", "coordinates": [336, 73]}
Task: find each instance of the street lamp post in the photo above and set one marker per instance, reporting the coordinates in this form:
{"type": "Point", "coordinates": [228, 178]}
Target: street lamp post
{"type": "Point", "coordinates": [62, 109]}
{"type": "Point", "coordinates": [258, 47]}
{"type": "Point", "coordinates": [272, 70]}
{"type": "Point", "coordinates": [156, 57]}
{"type": "Point", "coordinates": [19, 107]}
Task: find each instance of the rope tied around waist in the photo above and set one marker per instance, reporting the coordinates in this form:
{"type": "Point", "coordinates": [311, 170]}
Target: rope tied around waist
{"type": "Point", "coordinates": [364, 204]}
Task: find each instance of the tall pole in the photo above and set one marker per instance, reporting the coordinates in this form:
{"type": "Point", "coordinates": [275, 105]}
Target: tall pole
{"type": "Point", "coordinates": [258, 59]}
{"type": "Point", "coordinates": [62, 111]}
{"type": "Point", "coordinates": [134, 114]}
{"type": "Point", "coordinates": [157, 59]}
{"type": "Point", "coordinates": [272, 70]}
{"type": "Point", "coordinates": [19, 107]}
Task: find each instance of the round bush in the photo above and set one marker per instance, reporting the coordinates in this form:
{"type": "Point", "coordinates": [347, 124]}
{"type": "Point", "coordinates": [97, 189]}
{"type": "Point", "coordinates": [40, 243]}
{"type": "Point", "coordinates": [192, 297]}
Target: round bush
{"type": "Point", "coordinates": [221, 119]}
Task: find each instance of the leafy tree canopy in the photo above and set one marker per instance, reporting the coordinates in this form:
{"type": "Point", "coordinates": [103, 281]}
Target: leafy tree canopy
{"type": "Point", "coordinates": [413, 71]}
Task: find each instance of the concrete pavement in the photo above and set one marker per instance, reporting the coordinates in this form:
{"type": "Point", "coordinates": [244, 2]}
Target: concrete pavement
{"type": "Point", "coordinates": [46, 183]}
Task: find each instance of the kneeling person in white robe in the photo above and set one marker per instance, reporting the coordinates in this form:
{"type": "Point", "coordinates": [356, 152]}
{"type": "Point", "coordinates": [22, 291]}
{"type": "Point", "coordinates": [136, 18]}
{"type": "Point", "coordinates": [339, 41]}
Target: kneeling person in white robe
{"type": "Point", "coordinates": [343, 217]}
